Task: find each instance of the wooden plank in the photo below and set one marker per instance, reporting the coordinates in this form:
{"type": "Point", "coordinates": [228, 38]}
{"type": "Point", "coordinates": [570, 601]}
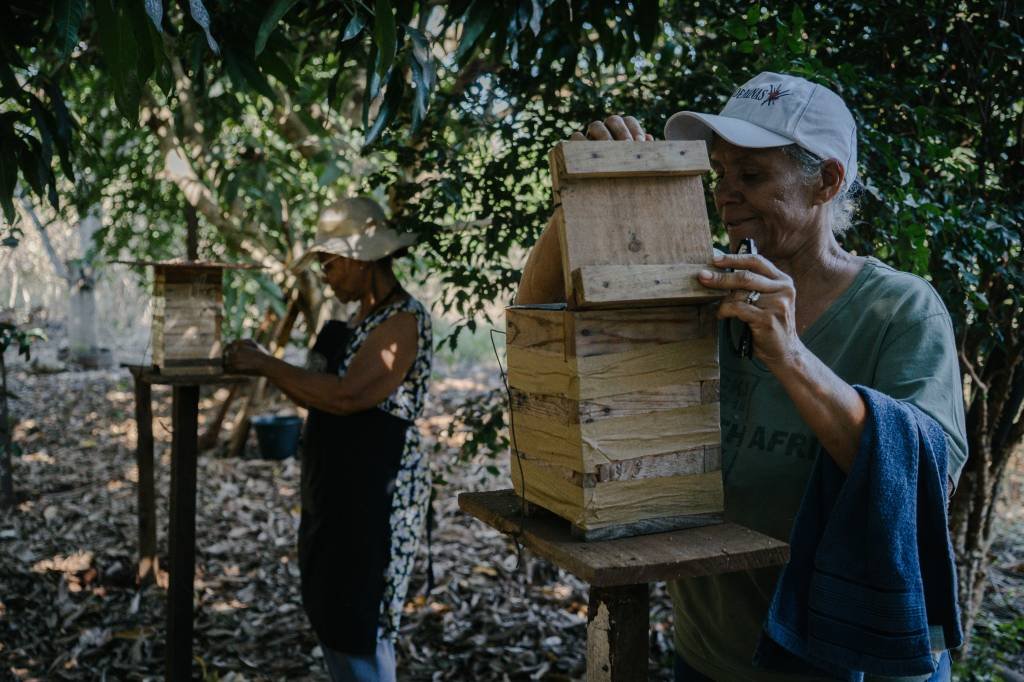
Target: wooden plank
{"type": "Point", "coordinates": [710, 391]}
{"type": "Point", "coordinates": [633, 221]}
{"type": "Point", "coordinates": [184, 274]}
{"type": "Point", "coordinates": [146, 494]}
{"type": "Point", "coordinates": [640, 402]}
{"type": "Point", "coordinates": [535, 328]}
{"type": "Point", "coordinates": [600, 332]}
{"type": "Point", "coordinates": [662, 524]}
{"type": "Point", "coordinates": [645, 368]}
{"type": "Point", "coordinates": [598, 159]}
{"type": "Point", "coordinates": [609, 440]}
{"type": "Point", "coordinates": [189, 373]}
{"type": "Point", "coordinates": [537, 371]}
{"type": "Point", "coordinates": [545, 439]}
{"type": "Point", "coordinates": [684, 462]}
{"type": "Point", "coordinates": [551, 487]}
{"type": "Point", "coordinates": [152, 375]}
{"type": "Point", "coordinates": [617, 285]}
{"type": "Point", "coordinates": [709, 550]}
{"type": "Point", "coordinates": [618, 633]}
{"type": "Point", "coordinates": [558, 409]}
{"type": "Point", "coordinates": [182, 531]}
{"type": "Point", "coordinates": [698, 460]}
{"type": "Point", "coordinates": [616, 502]}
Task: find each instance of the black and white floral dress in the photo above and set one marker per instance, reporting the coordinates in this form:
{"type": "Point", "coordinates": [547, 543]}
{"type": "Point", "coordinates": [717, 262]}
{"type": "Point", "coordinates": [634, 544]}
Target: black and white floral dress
{"type": "Point", "coordinates": [365, 492]}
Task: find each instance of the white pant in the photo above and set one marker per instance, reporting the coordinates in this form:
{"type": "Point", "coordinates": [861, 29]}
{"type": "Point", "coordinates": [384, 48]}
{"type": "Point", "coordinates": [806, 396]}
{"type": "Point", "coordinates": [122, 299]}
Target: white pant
{"type": "Point", "coordinates": [348, 668]}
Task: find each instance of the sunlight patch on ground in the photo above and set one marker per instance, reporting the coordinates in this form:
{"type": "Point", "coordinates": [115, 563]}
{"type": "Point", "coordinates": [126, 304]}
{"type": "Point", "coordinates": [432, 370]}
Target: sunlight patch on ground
{"type": "Point", "coordinates": [42, 457]}
{"type": "Point", "coordinates": [72, 563]}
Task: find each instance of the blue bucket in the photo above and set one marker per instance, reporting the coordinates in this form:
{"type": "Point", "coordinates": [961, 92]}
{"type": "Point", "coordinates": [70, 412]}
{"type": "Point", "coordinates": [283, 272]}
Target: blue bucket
{"type": "Point", "coordinates": [278, 437]}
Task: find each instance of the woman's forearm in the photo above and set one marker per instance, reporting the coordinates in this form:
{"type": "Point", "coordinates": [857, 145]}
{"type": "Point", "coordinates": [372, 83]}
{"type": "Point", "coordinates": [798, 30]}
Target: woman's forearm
{"type": "Point", "coordinates": [831, 407]}
{"type": "Point", "coordinates": [324, 392]}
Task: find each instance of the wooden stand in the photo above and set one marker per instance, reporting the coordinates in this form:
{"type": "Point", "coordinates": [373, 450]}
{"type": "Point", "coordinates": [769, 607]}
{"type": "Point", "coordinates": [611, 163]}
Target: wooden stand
{"type": "Point", "coordinates": [182, 525]}
{"type": "Point", "coordinates": [619, 571]}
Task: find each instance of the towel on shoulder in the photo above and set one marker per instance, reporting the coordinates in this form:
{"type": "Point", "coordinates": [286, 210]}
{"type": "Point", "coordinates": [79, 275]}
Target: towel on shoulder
{"type": "Point", "coordinates": [871, 566]}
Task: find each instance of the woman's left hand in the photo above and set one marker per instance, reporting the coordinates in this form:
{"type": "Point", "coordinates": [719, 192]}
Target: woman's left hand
{"type": "Point", "coordinates": [762, 296]}
{"type": "Point", "coordinates": [245, 356]}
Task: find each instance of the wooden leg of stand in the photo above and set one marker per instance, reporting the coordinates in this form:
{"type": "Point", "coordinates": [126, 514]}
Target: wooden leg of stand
{"type": "Point", "coordinates": [618, 642]}
{"type": "Point", "coordinates": [182, 532]}
{"type": "Point", "coordinates": [147, 568]}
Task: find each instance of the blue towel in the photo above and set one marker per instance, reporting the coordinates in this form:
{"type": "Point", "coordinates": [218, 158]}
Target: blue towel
{"type": "Point", "coordinates": [871, 565]}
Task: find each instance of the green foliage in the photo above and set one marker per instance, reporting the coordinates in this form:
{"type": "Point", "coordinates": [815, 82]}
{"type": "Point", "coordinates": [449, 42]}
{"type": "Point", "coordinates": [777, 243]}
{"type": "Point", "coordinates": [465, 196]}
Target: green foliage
{"type": "Point", "coordinates": [992, 643]}
{"type": "Point", "coordinates": [13, 336]}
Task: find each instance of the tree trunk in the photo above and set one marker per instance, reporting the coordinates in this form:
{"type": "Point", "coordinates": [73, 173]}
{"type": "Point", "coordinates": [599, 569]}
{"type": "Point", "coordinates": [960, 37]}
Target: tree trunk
{"type": "Point", "coordinates": [83, 333]}
{"type": "Point", "coordinates": [992, 442]}
{"type": "Point", "coordinates": [6, 469]}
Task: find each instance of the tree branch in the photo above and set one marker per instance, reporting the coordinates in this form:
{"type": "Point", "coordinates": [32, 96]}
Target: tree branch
{"type": "Point", "coordinates": [51, 253]}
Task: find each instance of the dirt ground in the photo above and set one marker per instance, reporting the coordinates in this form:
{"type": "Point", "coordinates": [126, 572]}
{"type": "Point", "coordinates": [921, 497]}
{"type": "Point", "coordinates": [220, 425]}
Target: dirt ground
{"type": "Point", "coordinates": [69, 607]}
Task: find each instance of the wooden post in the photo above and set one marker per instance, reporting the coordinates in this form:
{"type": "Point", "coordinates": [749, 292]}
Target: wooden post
{"type": "Point", "coordinates": [618, 640]}
{"type": "Point", "coordinates": [147, 568]}
{"type": "Point", "coordinates": [182, 531]}
{"type": "Point", "coordinates": [191, 232]}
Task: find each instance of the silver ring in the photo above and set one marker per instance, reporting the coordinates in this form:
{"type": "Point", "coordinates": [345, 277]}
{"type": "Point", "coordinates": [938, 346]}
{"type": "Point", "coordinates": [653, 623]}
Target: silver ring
{"type": "Point", "coordinates": [752, 297]}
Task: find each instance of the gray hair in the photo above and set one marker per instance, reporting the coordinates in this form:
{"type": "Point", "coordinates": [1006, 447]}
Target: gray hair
{"type": "Point", "coordinates": [843, 205]}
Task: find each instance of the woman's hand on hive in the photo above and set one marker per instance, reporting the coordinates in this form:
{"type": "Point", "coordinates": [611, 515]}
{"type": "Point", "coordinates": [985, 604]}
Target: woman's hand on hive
{"type": "Point", "coordinates": [770, 312]}
{"type": "Point", "coordinates": [245, 356]}
{"type": "Point", "coordinates": [624, 128]}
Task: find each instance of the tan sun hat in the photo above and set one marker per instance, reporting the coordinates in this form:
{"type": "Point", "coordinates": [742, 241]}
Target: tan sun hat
{"type": "Point", "coordinates": [357, 229]}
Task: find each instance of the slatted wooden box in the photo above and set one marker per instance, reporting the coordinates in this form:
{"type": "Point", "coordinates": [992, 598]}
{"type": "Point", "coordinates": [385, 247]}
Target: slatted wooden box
{"type": "Point", "coordinates": [188, 308]}
{"type": "Point", "coordinates": [615, 415]}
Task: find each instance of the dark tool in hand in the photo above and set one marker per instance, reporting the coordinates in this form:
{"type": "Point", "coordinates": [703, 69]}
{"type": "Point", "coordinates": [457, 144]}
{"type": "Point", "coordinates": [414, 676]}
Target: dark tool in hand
{"type": "Point", "coordinates": [745, 347]}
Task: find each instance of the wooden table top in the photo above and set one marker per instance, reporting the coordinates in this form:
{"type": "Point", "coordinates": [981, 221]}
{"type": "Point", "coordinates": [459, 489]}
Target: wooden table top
{"type": "Point", "coordinates": [150, 375]}
{"type": "Point", "coordinates": [707, 550]}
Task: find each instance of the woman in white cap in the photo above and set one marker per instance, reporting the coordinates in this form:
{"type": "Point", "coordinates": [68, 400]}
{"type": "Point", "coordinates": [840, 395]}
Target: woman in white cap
{"type": "Point", "coordinates": [821, 319]}
{"type": "Point", "coordinates": [365, 479]}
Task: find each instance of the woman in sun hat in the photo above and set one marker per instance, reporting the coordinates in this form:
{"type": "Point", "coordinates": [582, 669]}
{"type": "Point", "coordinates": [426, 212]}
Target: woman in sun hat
{"type": "Point", "coordinates": [365, 479]}
{"type": "Point", "coordinates": [845, 350]}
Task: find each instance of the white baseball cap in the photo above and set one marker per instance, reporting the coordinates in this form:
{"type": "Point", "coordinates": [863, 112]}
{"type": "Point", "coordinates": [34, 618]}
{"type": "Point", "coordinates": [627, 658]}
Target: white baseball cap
{"type": "Point", "coordinates": [357, 229]}
{"type": "Point", "coordinates": [774, 110]}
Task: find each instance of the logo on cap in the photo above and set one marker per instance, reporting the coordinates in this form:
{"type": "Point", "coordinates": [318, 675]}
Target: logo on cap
{"type": "Point", "coordinates": [775, 93]}
{"type": "Point", "coordinates": [769, 96]}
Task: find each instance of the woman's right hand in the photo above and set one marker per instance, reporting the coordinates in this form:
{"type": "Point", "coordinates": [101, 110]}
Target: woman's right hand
{"type": "Point", "coordinates": [625, 128]}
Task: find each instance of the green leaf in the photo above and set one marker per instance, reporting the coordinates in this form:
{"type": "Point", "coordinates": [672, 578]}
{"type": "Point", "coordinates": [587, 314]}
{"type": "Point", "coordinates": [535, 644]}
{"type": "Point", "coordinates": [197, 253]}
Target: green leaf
{"type": "Point", "coordinates": [354, 26]}
{"type": "Point", "coordinates": [330, 174]}
{"type": "Point", "coordinates": [202, 17]}
{"type": "Point", "coordinates": [477, 16]}
{"type": "Point", "coordinates": [8, 169]}
{"type": "Point", "coordinates": [269, 23]}
{"type": "Point", "coordinates": [384, 34]}
{"type": "Point", "coordinates": [121, 53]}
{"type": "Point", "coordinates": [424, 76]}
{"type": "Point", "coordinates": [737, 29]}
{"type": "Point", "coordinates": [797, 19]}
{"type": "Point", "coordinates": [388, 108]}
{"type": "Point", "coordinates": [155, 10]}
{"type": "Point", "coordinates": [244, 72]}
{"type": "Point", "coordinates": [647, 22]}
{"type": "Point", "coordinates": [67, 18]}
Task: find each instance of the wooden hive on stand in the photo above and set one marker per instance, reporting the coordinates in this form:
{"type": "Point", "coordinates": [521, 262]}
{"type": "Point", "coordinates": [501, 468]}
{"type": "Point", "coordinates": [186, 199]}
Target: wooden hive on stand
{"type": "Point", "coordinates": [188, 307]}
{"type": "Point", "coordinates": [615, 413]}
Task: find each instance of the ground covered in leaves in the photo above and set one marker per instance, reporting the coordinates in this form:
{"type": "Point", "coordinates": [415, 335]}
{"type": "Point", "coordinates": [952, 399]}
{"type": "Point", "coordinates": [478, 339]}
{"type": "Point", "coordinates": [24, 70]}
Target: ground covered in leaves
{"type": "Point", "coordinates": [70, 608]}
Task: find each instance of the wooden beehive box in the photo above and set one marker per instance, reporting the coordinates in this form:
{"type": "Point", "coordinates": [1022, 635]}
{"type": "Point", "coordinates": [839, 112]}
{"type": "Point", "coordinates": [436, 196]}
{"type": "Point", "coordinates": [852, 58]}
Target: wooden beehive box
{"type": "Point", "coordinates": [615, 414]}
{"type": "Point", "coordinates": [188, 305]}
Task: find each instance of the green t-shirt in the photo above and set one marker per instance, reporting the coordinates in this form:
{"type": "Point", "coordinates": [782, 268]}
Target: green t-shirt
{"type": "Point", "coordinates": [890, 331]}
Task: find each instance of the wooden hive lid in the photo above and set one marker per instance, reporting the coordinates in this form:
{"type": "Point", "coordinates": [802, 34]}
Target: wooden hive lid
{"type": "Point", "coordinates": [632, 222]}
